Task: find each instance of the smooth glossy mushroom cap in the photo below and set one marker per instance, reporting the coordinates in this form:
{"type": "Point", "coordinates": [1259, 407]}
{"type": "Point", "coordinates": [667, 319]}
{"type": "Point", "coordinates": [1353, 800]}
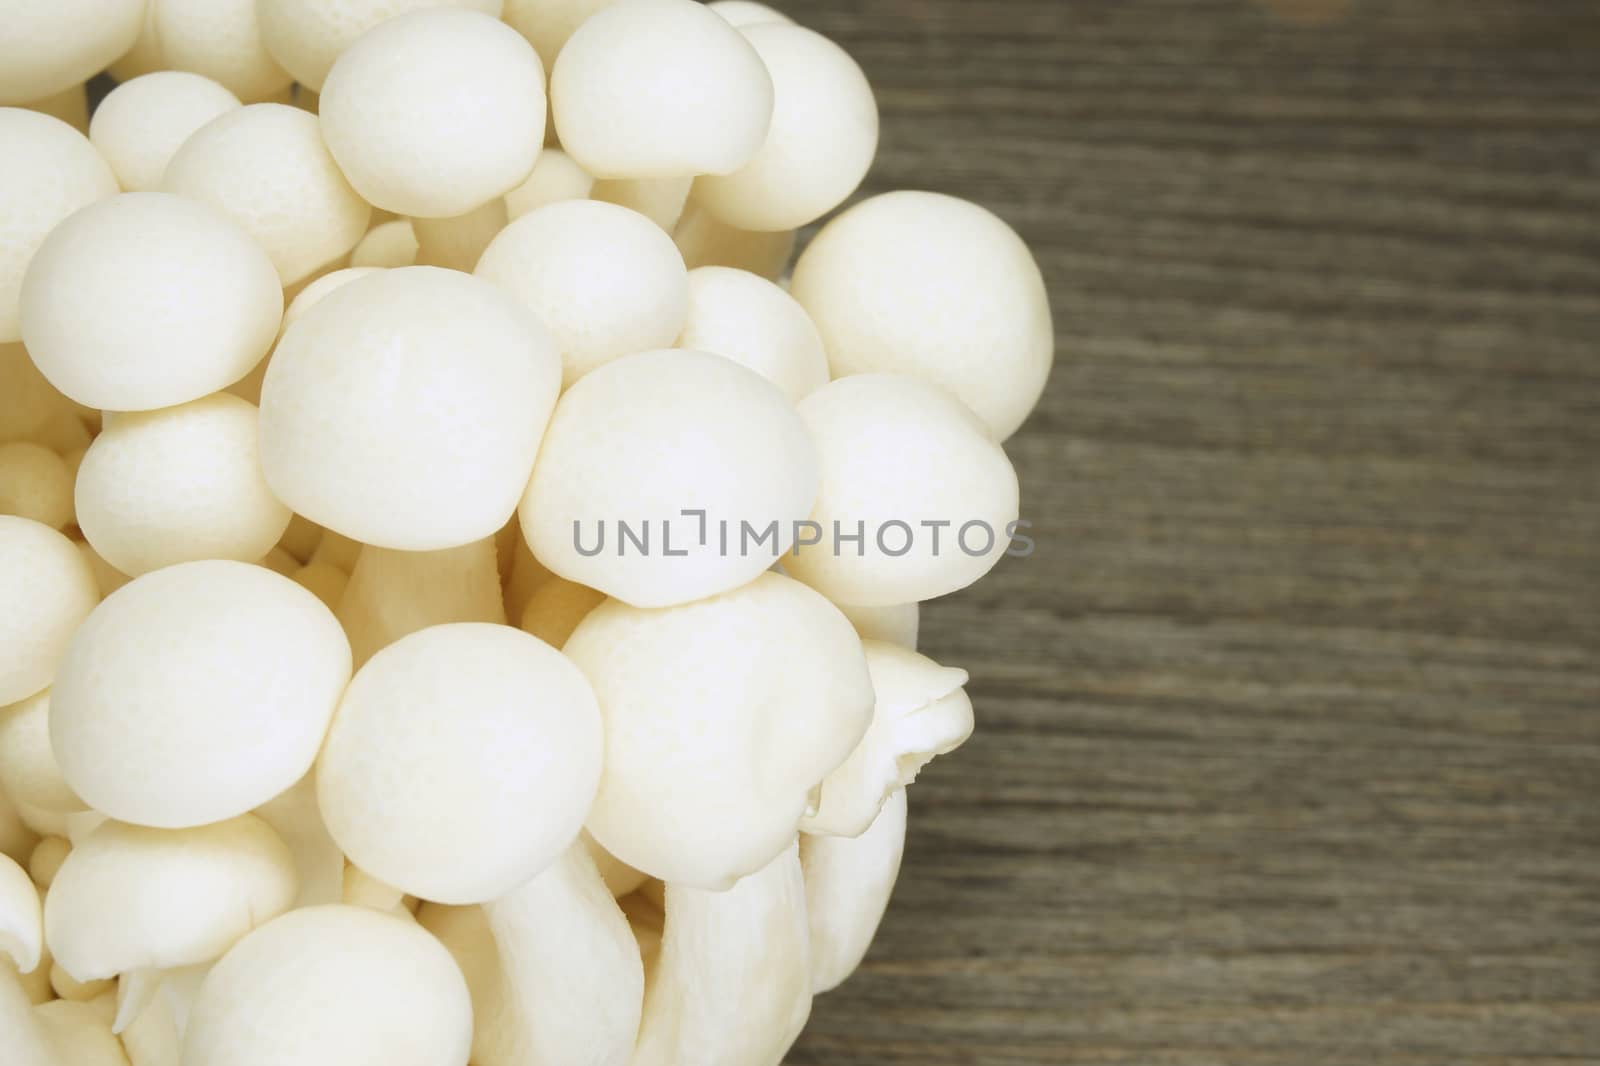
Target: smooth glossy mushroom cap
{"type": "Point", "coordinates": [647, 437]}
{"type": "Point", "coordinates": [46, 590]}
{"type": "Point", "coordinates": [462, 761]}
{"type": "Point", "coordinates": [605, 280]}
{"type": "Point", "coordinates": [898, 457]}
{"type": "Point", "coordinates": [28, 770]}
{"type": "Point", "coordinates": [721, 716]}
{"type": "Point", "coordinates": [405, 409]}
{"type": "Point", "coordinates": [51, 170]}
{"type": "Point", "coordinates": [435, 112]}
{"type": "Point", "coordinates": [179, 484]}
{"type": "Point", "coordinates": [48, 47]}
{"type": "Point", "coordinates": [748, 319]}
{"type": "Point", "coordinates": [306, 36]}
{"type": "Point", "coordinates": [823, 137]}
{"type": "Point", "coordinates": [938, 288]}
{"type": "Point", "coordinates": [147, 300]}
{"type": "Point", "coordinates": [142, 123]}
{"type": "Point", "coordinates": [660, 89]}
{"type": "Point", "coordinates": [196, 693]}
{"type": "Point", "coordinates": [332, 986]}
{"type": "Point", "coordinates": [312, 294]}
{"type": "Point", "coordinates": [267, 168]}
{"type": "Point", "coordinates": [920, 711]}
{"type": "Point", "coordinates": [222, 40]}
{"type": "Point", "coordinates": [129, 897]}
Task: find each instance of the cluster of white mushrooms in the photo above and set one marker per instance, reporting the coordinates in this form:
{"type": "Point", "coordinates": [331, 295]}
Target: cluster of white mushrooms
{"type": "Point", "coordinates": [326, 347]}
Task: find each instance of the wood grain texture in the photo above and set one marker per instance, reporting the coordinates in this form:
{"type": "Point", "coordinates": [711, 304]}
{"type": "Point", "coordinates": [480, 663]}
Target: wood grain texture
{"type": "Point", "coordinates": [1289, 734]}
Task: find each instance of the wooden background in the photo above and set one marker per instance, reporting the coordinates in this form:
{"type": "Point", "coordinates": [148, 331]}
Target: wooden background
{"type": "Point", "coordinates": [1289, 734]}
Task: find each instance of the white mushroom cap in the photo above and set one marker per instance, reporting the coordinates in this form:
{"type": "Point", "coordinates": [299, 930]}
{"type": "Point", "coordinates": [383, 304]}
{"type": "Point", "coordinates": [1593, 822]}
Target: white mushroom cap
{"type": "Point", "coordinates": [721, 717]}
{"type": "Point", "coordinates": [644, 439]}
{"type": "Point", "coordinates": [897, 456]}
{"type": "Point", "coordinates": [28, 769]}
{"type": "Point", "coordinates": [306, 36]}
{"type": "Point", "coordinates": [312, 294]}
{"type": "Point", "coordinates": [52, 46]}
{"type": "Point", "coordinates": [935, 287]}
{"type": "Point", "coordinates": [50, 171]}
{"type": "Point", "coordinates": [142, 123]}
{"type": "Point", "coordinates": [406, 408]}
{"type": "Point", "coordinates": [748, 319]}
{"type": "Point", "coordinates": [197, 692]}
{"type": "Point", "coordinates": [732, 984]}
{"type": "Point", "coordinates": [604, 279]}
{"type": "Point", "coordinates": [332, 986]}
{"type": "Point", "coordinates": [547, 24]}
{"type": "Point", "coordinates": [461, 762]}
{"type": "Point", "coordinates": [35, 483]}
{"type": "Point", "coordinates": [266, 166]}
{"type": "Point", "coordinates": [921, 711]}
{"type": "Point", "coordinates": [220, 39]}
{"type": "Point", "coordinates": [46, 590]}
{"type": "Point", "coordinates": [129, 897]}
{"type": "Point", "coordinates": [555, 177]}
{"type": "Point", "coordinates": [823, 137]}
{"type": "Point", "coordinates": [435, 112]}
{"type": "Point", "coordinates": [21, 920]}
{"type": "Point", "coordinates": [660, 89]}
{"type": "Point", "coordinates": [178, 484]}
{"type": "Point", "coordinates": [146, 300]}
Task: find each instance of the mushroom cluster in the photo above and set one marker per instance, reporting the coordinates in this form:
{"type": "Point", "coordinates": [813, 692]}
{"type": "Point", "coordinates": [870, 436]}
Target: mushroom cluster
{"type": "Point", "coordinates": [459, 571]}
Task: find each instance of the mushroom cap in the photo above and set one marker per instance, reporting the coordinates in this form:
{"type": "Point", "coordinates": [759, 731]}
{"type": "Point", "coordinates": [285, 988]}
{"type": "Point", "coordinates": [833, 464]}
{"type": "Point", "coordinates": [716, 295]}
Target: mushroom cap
{"type": "Point", "coordinates": [334, 985]}
{"type": "Point", "coordinates": [462, 761]}
{"type": "Point", "coordinates": [897, 456]}
{"type": "Point", "coordinates": [752, 321]}
{"type": "Point", "coordinates": [647, 437]}
{"type": "Point", "coordinates": [50, 47]}
{"type": "Point", "coordinates": [129, 897]}
{"type": "Point", "coordinates": [179, 484]}
{"type": "Point", "coordinates": [306, 36]}
{"type": "Point", "coordinates": [547, 24]}
{"type": "Point", "coordinates": [222, 40]}
{"type": "Point", "coordinates": [435, 112]}
{"type": "Point", "coordinates": [147, 300]}
{"type": "Point", "coordinates": [824, 134]}
{"type": "Point", "coordinates": [142, 123]}
{"type": "Point", "coordinates": [405, 409]}
{"type": "Point", "coordinates": [28, 769]}
{"type": "Point", "coordinates": [268, 169]}
{"type": "Point", "coordinates": [51, 170]}
{"type": "Point", "coordinates": [196, 693]}
{"type": "Point", "coordinates": [938, 288]}
{"type": "Point", "coordinates": [660, 89]}
{"type": "Point", "coordinates": [721, 716]}
{"type": "Point", "coordinates": [604, 279]}
{"type": "Point", "coordinates": [46, 590]}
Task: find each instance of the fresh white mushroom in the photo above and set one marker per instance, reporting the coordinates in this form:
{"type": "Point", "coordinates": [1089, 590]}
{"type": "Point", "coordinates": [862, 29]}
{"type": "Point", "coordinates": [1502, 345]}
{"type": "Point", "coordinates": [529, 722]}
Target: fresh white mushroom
{"type": "Point", "coordinates": [920, 711]}
{"type": "Point", "coordinates": [721, 718]}
{"type": "Point", "coordinates": [319, 864]}
{"type": "Point", "coordinates": [732, 985]}
{"type": "Point", "coordinates": [21, 946]}
{"type": "Point", "coordinates": [46, 590]}
{"type": "Point", "coordinates": [28, 769]}
{"type": "Point", "coordinates": [130, 897]}
{"type": "Point", "coordinates": [457, 242]}
{"type": "Point", "coordinates": [332, 986]}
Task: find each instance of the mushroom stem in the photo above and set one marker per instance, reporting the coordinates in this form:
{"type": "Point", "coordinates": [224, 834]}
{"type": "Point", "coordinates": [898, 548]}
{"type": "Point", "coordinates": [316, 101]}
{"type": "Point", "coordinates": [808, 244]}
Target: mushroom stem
{"type": "Point", "coordinates": [395, 593]}
{"type": "Point", "coordinates": [848, 883]}
{"type": "Point", "coordinates": [570, 970]}
{"type": "Point", "coordinates": [732, 985]}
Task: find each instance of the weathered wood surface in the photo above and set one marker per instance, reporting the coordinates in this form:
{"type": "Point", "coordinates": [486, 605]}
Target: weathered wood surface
{"type": "Point", "coordinates": [1289, 744]}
